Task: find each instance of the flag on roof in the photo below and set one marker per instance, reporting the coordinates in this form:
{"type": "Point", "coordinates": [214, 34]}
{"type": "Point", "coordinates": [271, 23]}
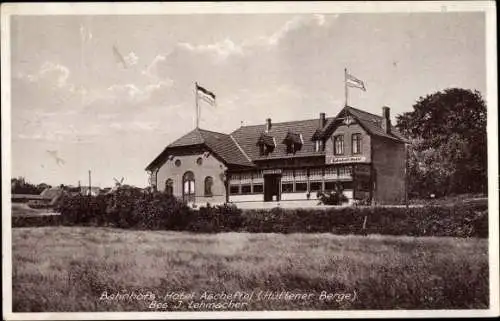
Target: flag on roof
{"type": "Point", "coordinates": [205, 94]}
{"type": "Point", "coordinates": [352, 81]}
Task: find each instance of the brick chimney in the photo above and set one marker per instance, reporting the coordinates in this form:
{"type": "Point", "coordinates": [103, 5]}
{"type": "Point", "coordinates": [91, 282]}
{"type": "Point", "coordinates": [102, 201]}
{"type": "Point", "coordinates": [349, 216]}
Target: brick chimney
{"type": "Point", "coordinates": [268, 124]}
{"type": "Point", "coordinates": [386, 119]}
{"type": "Point", "coordinates": [322, 120]}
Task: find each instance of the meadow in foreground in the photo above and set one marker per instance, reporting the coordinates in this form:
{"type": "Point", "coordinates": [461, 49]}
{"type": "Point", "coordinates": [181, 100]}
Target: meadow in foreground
{"type": "Point", "coordinates": [69, 269]}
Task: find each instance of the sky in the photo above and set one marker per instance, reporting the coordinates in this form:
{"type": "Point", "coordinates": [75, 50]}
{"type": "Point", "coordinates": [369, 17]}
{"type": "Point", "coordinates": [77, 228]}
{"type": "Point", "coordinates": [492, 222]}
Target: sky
{"type": "Point", "coordinates": [77, 106]}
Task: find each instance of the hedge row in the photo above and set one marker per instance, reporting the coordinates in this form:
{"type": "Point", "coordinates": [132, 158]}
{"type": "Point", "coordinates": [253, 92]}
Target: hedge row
{"type": "Point", "coordinates": [159, 211]}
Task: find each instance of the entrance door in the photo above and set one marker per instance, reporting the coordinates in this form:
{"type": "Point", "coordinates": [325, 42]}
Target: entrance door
{"type": "Point", "coordinates": [272, 187]}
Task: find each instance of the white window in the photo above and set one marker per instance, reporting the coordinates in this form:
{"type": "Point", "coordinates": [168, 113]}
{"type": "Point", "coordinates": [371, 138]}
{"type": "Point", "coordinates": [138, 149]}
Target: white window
{"type": "Point", "coordinates": [331, 172]}
{"type": "Point", "coordinates": [246, 178]}
{"type": "Point", "coordinates": [257, 177]}
{"type": "Point", "coordinates": [234, 179]}
{"type": "Point", "coordinates": [300, 175]}
{"type": "Point", "coordinates": [338, 145]}
{"type": "Point", "coordinates": [287, 175]}
{"type": "Point", "coordinates": [315, 173]}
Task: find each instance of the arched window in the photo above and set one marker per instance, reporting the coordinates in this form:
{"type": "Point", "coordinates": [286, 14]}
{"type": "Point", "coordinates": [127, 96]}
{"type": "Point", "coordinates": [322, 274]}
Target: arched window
{"type": "Point", "coordinates": [188, 193]}
{"type": "Point", "coordinates": [169, 187]}
{"type": "Point", "coordinates": [209, 182]}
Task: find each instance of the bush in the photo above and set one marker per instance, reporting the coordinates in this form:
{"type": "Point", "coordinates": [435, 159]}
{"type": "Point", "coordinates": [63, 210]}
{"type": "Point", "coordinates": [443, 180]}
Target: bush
{"type": "Point", "coordinates": [335, 197]}
{"type": "Point", "coordinates": [126, 208]}
{"type": "Point", "coordinates": [38, 204]}
{"type": "Point", "coordinates": [140, 210]}
{"type": "Point", "coordinates": [221, 218]}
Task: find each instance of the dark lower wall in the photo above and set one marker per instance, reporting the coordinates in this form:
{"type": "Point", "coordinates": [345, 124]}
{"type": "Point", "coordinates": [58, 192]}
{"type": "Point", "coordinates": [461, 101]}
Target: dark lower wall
{"type": "Point", "coordinates": [389, 171]}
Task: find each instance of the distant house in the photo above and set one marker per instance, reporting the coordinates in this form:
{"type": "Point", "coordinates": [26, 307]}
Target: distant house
{"type": "Point", "coordinates": [94, 191]}
{"type": "Point", "coordinates": [51, 195]}
{"type": "Point", "coordinates": [287, 161]}
{"type": "Point", "coordinates": [47, 198]}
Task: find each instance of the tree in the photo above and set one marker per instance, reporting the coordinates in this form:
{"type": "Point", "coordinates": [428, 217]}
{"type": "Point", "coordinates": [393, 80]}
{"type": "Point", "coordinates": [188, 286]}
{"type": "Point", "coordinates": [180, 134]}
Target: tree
{"type": "Point", "coordinates": [21, 186]}
{"type": "Point", "coordinates": [448, 153]}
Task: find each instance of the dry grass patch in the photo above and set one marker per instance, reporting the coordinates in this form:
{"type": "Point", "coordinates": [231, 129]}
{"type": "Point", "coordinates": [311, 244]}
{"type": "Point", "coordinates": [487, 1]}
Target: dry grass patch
{"type": "Point", "coordinates": [68, 269]}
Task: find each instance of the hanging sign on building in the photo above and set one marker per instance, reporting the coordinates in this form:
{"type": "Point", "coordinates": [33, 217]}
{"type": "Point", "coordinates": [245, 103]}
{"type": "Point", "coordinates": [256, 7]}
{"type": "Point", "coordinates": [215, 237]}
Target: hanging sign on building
{"type": "Point", "coordinates": [346, 159]}
{"type": "Point", "coordinates": [272, 171]}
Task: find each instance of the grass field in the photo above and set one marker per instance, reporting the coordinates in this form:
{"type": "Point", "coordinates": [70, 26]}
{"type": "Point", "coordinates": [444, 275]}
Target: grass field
{"type": "Point", "coordinates": [70, 268]}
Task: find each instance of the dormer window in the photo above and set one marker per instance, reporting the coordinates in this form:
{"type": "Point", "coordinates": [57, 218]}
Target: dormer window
{"type": "Point", "coordinates": [266, 144]}
{"type": "Point", "coordinates": [293, 142]}
{"type": "Point", "coordinates": [319, 143]}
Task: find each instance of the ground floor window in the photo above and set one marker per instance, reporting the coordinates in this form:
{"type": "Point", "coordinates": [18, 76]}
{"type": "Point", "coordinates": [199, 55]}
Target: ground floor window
{"type": "Point", "coordinates": [246, 189]}
{"type": "Point", "coordinates": [287, 187]}
{"type": "Point", "coordinates": [169, 187]}
{"type": "Point", "coordinates": [301, 187]}
{"type": "Point", "coordinates": [330, 186]}
{"type": "Point", "coordinates": [316, 186]}
{"type": "Point", "coordinates": [188, 191]}
{"type": "Point", "coordinates": [258, 188]}
{"type": "Point", "coordinates": [234, 189]}
{"type": "Point", "coordinates": [209, 182]}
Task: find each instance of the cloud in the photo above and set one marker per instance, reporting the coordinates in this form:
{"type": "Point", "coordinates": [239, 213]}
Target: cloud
{"type": "Point", "coordinates": [53, 74]}
{"type": "Point", "coordinates": [294, 24]}
{"type": "Point", "coordinates": [131, 59]}
{"type": "Point", "coordinates": [151, 69]}
{"type": "Point", "coordinates": [137, 93]}
{"type": "Point", "coordinates": [219, 50]}
{"type": "Point", "coordinates": [50, 88]}
{"type": "Point", "coordinates": [271, 75]}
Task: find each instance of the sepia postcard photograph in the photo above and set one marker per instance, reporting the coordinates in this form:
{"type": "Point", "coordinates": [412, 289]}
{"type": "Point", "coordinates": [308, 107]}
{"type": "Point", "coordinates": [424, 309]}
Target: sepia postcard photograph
{"type": "Point", "coordinates": [249, 160]}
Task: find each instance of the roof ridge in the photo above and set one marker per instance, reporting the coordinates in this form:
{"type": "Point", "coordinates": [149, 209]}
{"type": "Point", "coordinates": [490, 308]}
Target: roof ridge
{"type": "Point", "coordinates": [211, 131]}
{"type": "Point", "coordinates": [284, 122]}
{"type": "Point", "coordinates": [200, 134]}
{"type": "Point", "coordinates": [241, 149]}
{"type": "Point", "coordinates": [365, 112]}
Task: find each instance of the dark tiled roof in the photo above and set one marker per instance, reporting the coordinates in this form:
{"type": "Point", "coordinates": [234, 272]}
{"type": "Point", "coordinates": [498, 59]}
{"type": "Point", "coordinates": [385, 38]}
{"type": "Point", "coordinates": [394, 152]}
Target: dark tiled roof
{"type": "Point", "coordinates": [241, 147]}
{"type": "Point", "coordinates": [221, 144]}
{"type": "Point", "coordinates": [194, 137]}
{"type": "Point", "coordinates": [224, 146]}
{"type": "Point", "coordinates": [248, 136]}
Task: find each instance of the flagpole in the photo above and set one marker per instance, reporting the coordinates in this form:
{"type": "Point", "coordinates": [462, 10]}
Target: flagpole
{"type": "Point", "coordinates": [196, 104]}
{"type": "Point", "coordinates": [81, 61]}
{"type": "Point", "coordinates": [346, 90]}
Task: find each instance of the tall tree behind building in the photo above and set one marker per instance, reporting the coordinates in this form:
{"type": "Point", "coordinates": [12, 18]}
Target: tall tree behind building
{"type": "Point", "coordinates": [448, 154]}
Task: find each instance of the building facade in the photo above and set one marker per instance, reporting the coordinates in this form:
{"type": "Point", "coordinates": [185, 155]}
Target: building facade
{"type": "Point", "coordinates": [287, 162]}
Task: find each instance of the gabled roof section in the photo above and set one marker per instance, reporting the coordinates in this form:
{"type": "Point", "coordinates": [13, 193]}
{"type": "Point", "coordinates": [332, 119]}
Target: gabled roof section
{"type": "Point", "coordinates": [224, 146]}
{"type": "Point", "coordinates": [370, 122]}
{"type": "Point", "coordinates": [221, 144]}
